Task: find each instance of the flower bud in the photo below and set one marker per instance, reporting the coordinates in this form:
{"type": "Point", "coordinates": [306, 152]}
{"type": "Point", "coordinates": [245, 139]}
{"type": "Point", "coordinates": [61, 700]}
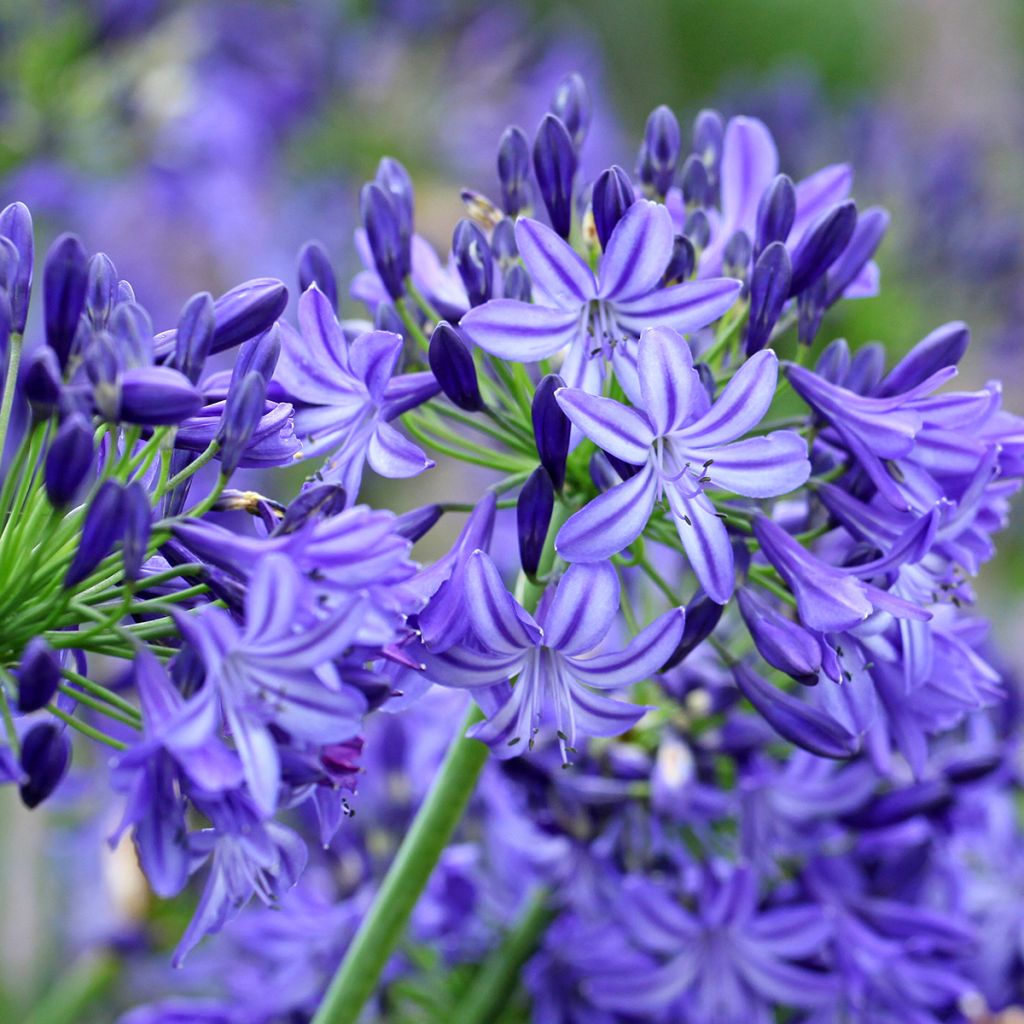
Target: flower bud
{"type": "Point", "coordinates": [551, 428]}
{"type": "Point", "coordinates": [554, 165]}
{"type": "Point", "coordinates": [452, 364]}
{"type": "Point", "coordinates": [697, 228]}
{"type": "Point", "coordinates": [38, 675]}
{"type": "Point", "coordinates": [503, 242]}
{"type": "Point", "coordinates": [776, 212]}
{"type": "Point", "coordinates": [315, 268]}
{"type": "Point", "coordinates": [945, 346]}
{"type": "Point", "coordinates": [417, 523]}
{"type": "Point", "coordinates": [769, 289]}
{"type": "Point", "coordinates": [133, 333]}
{"type": "Point", "coordinates": [103, 368]}
{"type": "Point", "coordinates": [153, 396]}
{"type": "Point", "coordinates": [247, 310]}
{"type": "Point", "coordinates": [101, 290]}
{"type": "Point", "coordinates": [389, 246]}
{"type": "Point", "coordinates": [472, 257]}
{"type": "Point", "coordinates": [867, 236]}
{"type": "Point", "coordinates": [702, 616]}
{"type": "Point", "coordinates": [708, 138]}
{"type": "Point", "coordinates": [16, 225]}
{"type": "Point", "coordinates": [514, 170]}
{"type": "Point", "coordinates": [533, 517]}
{"type": "Point", "coordinates": [196, 327]}
{"type": "Point", "coordinates": [103, 528]}
{"type": "Point", "coordinates": [243, 410]}
{"type": "Point", "coordinates": [571, 105]}
{"type": "Point", "coordinates": [810, 311]}
{"type": "Point", "coordinates": [68, 460]}
{"type": "Point", "coordinates": [396, 182]}
{"type": "Point", "coordinates": [45, 757]}
{"type": "Point", "coordinates": [259, 355]}
{"type": "Point", "coordinates": [517, 284]}
{"type": "Point", "coordinates": [313, 503]}
{"type": "Point", "coordinates": [659, 151]}
{"type": "Point", "coordinates": [612, 196]}
{"type": "Point", "coordinates": [41, 380]}
{"type": "Point", "coordinates": [695, 184]}
{"type": "Point", "coordinates": [65, 281]}
{"type": "Point", "coordinates": [682, 262]}
{"type": "Point", "coordinates": [822, 245]}
{"type": "Point", "coordinates": [736, 255]}
{"type": "Point", "coordinates": [784, 644]}
{"type": "Point", "coordinates": [138, 518]}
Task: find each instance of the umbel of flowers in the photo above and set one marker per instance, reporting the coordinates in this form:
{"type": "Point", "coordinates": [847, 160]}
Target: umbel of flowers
{"type": "Point", "coordinates": [736, 638]}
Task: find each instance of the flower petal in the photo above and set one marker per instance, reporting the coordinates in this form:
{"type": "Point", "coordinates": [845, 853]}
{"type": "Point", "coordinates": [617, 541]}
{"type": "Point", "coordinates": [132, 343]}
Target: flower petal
{"type": "Point", "coordinates": [609, 424]}
{"type": "Point", "coordinates": [641, 657]}
{"type": "Point", "coordinates": [611, 522]}
{"type": "Point", "coordinates": [583, 608]}
{"type": "Point", "coordinates": [464, 667]}
{"type": "Point", "coordinates": [520, 331]}
{"type": "Point", "coordinates": [394, 456]}
{"type": "Point", "coordinates": [560, 277]}
{"type": "Point", "coordinates": [760, 467]}
{"type": "Point", "coordinates": [373, 357]}
{"type": "Point", "coordinates": [749, 163]}
{"type": "Point", "coordinates": [816, 193]}
{"type": "Point", "coordinates": [684, 307]}
{"type": "Point", "coordinates": [637, 252]}
{"type": "Point", "coordinates": [668, 381]}
{"type": "Point", "coordinates": [705, 541]}
{"type": "Point", "coordinates": [498, 620]}
{"type": "Point", "coordinates": [597, 715]}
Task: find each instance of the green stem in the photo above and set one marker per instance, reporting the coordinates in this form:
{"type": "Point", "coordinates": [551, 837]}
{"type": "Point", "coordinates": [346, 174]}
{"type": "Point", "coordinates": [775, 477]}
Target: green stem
{"type": "Point", "coordinates": [10, 385]}
{"type": "Point", "coordinates": [497, 978]}
{"type": "Point", "coordinates": [382, 927]}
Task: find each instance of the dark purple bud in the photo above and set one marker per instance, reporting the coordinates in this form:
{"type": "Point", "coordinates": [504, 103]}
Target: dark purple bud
{"type": "Point", "coordinates": [417, 523]}
{"type": "Point", "coordinates": [517, 284]}
{"type": "Point", "coordinates": [682, 262]}
{"type": "Point", "coordinates": [702, 616]}
{"type": "Point", "coordinates": [971, 767]}
{"type": "Point", "coordinates": [68, 460]}
{"type": "Point", "coordinates": [133, 332]}
{"type": "Point", "coordinates": [784, 644]}
{"type": "Point", "coordinates": [389, 246]}
{"type": "Point", "coordinates": [793, 719]}
{"type": "Point", "coordinates": [243, 410]}
{"type": "Point", "coordinates": [101, 294]}
{"type": "Point", "coordinates": [929, 797]}
{"type": "Point", "coordinates": [834, 362]}
{"type": "Point", "coordinates": [571, 105]}
{"type": "Point", "coordinates": [769, 289]}
{"type": "Point", "coordinates": [554, 165]}
{"type": "Point", "coordinates": [41, 380]}
{"type": "Point", "coordinates": [867, 236]}
{"type": "Point", "coordinates": [736, 255]}
{"type": "Point", "coordinates": [315, 268]}
{"type": "Point", "coordinates": [697, 228]}
{"type": "Point", "coordinates": [153, 396]}
{"type": "Point", "coordinates": [551, 428]}
{"type": "Point", "coordinates": [708, 136]}
{"type": "Point", "coordinates": [472, 256]}
{"type": "Point", "coordinates": [396, 182]}
{"type": "Point", "coordinates": [196, 327]}
{"type": "Point", "coordinates": [312, 504]}
{"type": "Point", "coordinates": [694, 183]}
{"type": "Point", "coordinates": [259, 355]}
{"type": "Point", "coordinates": [102, 529]}
{"type": "Point", "coordinates": [822, 245]}
{"type": "Point", "coordinates": [659, 151]}
{"type": "Point", "coordinates": [45, 757]}
{"type": "Point", "coordinates": [102, 363]}
{"type": "Point", "coordinates": [514, 170]}
{"type": "Point", "coordinates": [65, 281]}
{"type": "Point", "coordinates": [626, 470]}
{"type": "Point", "coordinates": [138, 518]}
{"type": "Point", "coordinates": [16, 225]}
{"type": "Point", "coordinates": [452, 364]}
{"type": "Point", "coordinates": [503, 242]}
{"type": "Point", "coordinates": [866, 368]}
{"type": "Point", "coordinates": [533, 517]}
{"type": "Point", "coordinates": [775, 213]}
{"type": "Point", "coordinates": [945, 346]}
{"type": "Point", "coordinates": [602, 472]}
{"type": "Point", "coordinates": [612, 196]}
{"type": "Point", "coordinates": [247, 310]}
{"type": "Point", "coordinates": [810, 311]}
{"type": "Point", "coordinates": [38, 675]}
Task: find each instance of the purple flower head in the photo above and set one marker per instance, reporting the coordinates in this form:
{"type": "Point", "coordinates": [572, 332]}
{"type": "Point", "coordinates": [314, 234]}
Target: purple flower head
{"type": "Point", "coordinates": [596, 319]}
{"type": "Point", "coordinates": [547, 657]}
{"type": "Point", "coordinates": [683, 443]}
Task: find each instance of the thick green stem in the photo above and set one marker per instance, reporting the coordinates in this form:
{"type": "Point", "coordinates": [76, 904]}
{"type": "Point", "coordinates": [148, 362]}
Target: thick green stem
{"type": "Point", "coordinates": [10, 384]}
{"type": "Point", "coordinates": [406, 879]}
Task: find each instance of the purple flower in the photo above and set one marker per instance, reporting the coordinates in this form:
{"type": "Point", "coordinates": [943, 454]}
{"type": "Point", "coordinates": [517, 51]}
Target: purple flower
{"type": "Point", "coordinates": [596, 319]}
{"type": "Point", "coordinates": [341, 393]}
{"type": "Point", "coordinates": [683, 443]}
{"type": "Point", "coordinates": [546, 656]}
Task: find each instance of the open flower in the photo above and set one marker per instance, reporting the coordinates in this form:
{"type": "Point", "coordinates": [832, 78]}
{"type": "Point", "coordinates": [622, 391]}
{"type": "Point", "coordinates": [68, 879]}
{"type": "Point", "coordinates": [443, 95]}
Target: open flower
{"type": "Point", "coordinates": [683, 443]}
{"type": "Point", "coordinates": [596, 319]}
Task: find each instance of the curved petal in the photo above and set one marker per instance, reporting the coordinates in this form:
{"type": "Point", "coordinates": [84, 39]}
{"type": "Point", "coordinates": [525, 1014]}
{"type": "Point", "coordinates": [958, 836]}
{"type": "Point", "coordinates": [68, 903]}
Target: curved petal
{"type": "Point", "coordinates": [373, 357]}
{"type": "Point", "coordinates": [498, 620]}
{"type": "Point", "coordinates": [741, 406]}
{"type": "Point", "coordinates": [637, 253]}
{"type": "Point", "coordinates": [520, 331]}
{"type": "Point", "coordinates": [668, 381]}
{"type": "Point", "coordinates": [641, 657]}
{"type": "Point", "coordinates": [684, 307]}
{"type": "Point", "coordinates": [749, 163]}
{"type": "Point", "coordinates": [274, 594]}
{"type": "Point", "coordinates": [705, 541]}
{"type": "Point", "coordinates": [558, 274]}
{"type": "Point", "coordinates": [760, 467]}
{"type": "Point", "coordinates": [596, 715]}
{"type": "Point", "coordinates": [611, 522]}
{"type": "Point", "coordinates": [583, 608]}
{"type": "Point", "coordinates": [816, 193]}
{"type": "Point", "coordinates": [260, 762]}
{"type": "Point", "coordinates": [609, 424]}
{"type": "Point", "coordinates": [394, 456]}
{"type": "Point", "coordinates": [321, 333]}
{"type": "Point", "coordinates": [464, 667]}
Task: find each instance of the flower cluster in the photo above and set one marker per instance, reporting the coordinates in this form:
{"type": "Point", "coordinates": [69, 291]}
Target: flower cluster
{"type": "Point", "coordinates": [737, 702]}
